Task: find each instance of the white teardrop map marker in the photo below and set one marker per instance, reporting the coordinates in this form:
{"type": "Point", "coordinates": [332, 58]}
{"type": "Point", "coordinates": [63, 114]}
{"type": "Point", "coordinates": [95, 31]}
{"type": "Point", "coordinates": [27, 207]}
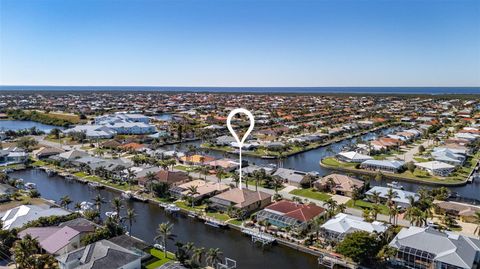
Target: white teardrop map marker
{"type": "Point", "coordinates": [240, 142]}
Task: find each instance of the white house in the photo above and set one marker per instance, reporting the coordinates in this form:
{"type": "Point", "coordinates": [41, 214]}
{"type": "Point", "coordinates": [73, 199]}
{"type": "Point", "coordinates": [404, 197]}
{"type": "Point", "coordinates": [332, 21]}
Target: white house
{"type": "Point", "coordinates": [342, 224]}
{"type": "Point", "coordinates": [436, 168]}
{"type": "Point", "coordinates": [353, 157]}
{"type": "Point", "coordinates": [383, 165]}
{"type": "Point", "coordinates": [401, 197]}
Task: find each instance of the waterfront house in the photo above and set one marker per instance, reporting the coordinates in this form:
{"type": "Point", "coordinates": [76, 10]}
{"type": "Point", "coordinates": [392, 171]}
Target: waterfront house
{"type": "Point", "coordinates": [101, 254]}
{"type": "Point", "coordinates": [10, 156]}
{"type": "Point", "coordinates": [166, 176]}
{"type": "Point", "coordinates": [121, 117]}
{"type": "Point", "coordinates": [292, 177]}
{"type": "Point", "coordinates": [252, 168]}
{"type": "Point", "coordinates": [225, 140]}
{"type": "Point", "coordinates": [196, 159]}
{"type": "Point", "coordinates": [401, 198]}
{"type": "Point", "coordinates": [429, 248]}
{"type": "Point", "coordinates": [338, 184]}
{"type": "Point", "coordinates": [436, 168]}
{"type": "Point", "coordinates": [383, 165]}
{"type": "Point", "coordinates": [464, 212]}
{"type": "Point", "coordinates": [336, 228]}
{"type": "Point", "coordinates": [92, 131]}
{"type": "Point", "coordinates": [55, 240]}
{"type": "Point", "coordinates": [227, 165]}
{"type": "Point", "coordinates": [204, 189]}
{"type": "Point", "coordinates": [448, 156]}
{"type": "Point", "coordinates": [243, 199]}
{"type": "Point", "coordinates": [45, 152]}
{"type": "Point", "coordinates": [72, 155]}
{"type": "Point", "coordinates": [352, 157]}
{"type": "Point", "coordinates": [286, 213]}
{"type": "Point", "coordinates": [21, 215]}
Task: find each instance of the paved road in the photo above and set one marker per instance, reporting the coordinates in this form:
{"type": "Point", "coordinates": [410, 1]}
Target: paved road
{"type": "Point", "coordinates": [408, 156]}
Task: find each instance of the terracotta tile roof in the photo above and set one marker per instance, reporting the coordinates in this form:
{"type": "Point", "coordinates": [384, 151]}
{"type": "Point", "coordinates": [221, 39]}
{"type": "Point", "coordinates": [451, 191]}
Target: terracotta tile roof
{"type": "Point", "coordinates": [301, 212]}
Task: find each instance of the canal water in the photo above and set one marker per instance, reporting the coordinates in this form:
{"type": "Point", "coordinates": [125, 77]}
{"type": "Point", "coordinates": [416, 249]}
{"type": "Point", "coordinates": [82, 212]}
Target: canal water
{"type": "Point", "coordinates": [232, 243]}
{"type": "Point", "coordinates": [309, 161]}
{"type": "Point", "coordinates": [16, 125]}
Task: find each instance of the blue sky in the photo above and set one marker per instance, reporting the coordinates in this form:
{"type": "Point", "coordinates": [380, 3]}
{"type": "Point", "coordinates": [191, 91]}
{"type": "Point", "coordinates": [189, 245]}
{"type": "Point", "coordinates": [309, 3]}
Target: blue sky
{"type": "Point", "coordinates": [240, 43]}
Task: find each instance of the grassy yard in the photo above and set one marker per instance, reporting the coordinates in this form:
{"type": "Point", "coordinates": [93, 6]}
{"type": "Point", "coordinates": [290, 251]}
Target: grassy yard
{"type": "Point", "coordinates": [312, 194]}
{"type": "Point", "coordinates": [218, 216]}
{"type": "Point", "coordinates": [360, 204]}
{"type": "Point", "coordinates": [159, 258]}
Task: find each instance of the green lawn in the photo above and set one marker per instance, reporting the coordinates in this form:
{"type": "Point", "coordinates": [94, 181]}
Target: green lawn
{"type": "Point", "coordinates": [236, 222]}
{"type": "Point", "coordinates": [182, 167]}
{"type": "Point", "coordinates": [159, 258]}
{"type": "Point", "coordinates": [218, 216]}
{"type": "Point", "coordinates": [312, 193]}
{"type": "Point", "coordinates": [360, 204]}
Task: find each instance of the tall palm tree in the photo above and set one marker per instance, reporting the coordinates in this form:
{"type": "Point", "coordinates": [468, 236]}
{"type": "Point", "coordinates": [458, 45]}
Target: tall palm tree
{"type": "Point", "coordinates": [117, 205]}
{"type": "Point", "coordinates": [375, 211]}
{"type": "Point", "coordinates": [98, 201]}
{"type": "Point", "coordinates": [477, 221]}
{"type": "Point", "coordinates": [150, 177]}
{"type": "Point", "coordinates": [164, 232]}
{"type": "Point", "coordinates": [65, 201]}
{"type": "Point", "coordinates": [192, 191]}
{"type": "Point", "coordinates": [131, 218]}
{"type": "Point", "coordinates": [341, 208]}
{"type": "Point", "coordinates": [391, 194]}
{"type": "Point", "coordinates": [213, 256]}
{"type": "Point", "coordinates": [219, 174]}
{"type": "Point", "coordinates": [375, 196]}
{"type": "Point", "coordinates": [197, 255]}
{"type": "Point", "coordinates": [331, 206]}
{"type": "Point", "coordinates": [414, 215]}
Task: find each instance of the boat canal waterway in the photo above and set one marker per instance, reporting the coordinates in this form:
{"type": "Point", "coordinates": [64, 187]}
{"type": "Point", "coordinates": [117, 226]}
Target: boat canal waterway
{"type": "Point", "coordinates": [232, 243]}
{"type": "Point", "coordinates": [309, 161]}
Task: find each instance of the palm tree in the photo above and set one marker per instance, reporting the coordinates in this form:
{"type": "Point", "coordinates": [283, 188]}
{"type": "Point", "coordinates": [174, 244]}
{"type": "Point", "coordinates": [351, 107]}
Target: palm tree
{"type": "Point", "coordinates": [391, 194]}
{"type": "Point", "coordinates": [65, 201]}
{"type": "Point", "coordinates": [198, 255]}
{"type": "Point", "coordinates": [276, 183]}
{"type": "Point", "coordinates": [131, 217]}
{"type": "Point", "coordinates": [414, 215]}
{"type": "Point", "coordinates": [192, 191]}
{"type": "Point", "coordinates": [316, 225]}
{"type": "Point", "coordinates": [189, 247]}
{"type": "Point", "coordinates": [375, 211]}
{"type": "Point", "coordinates": [375, 196]}
{"type": "Point", "coordinates": [164, 232]}
{"type": "Point", "coordinates": [117, 206]}
{"type": "Point", "coordinates": [236, 179]}
{"type": "Point", "coordinates": [130, 175]}
{"type": "Point", "coordinates": [213, 256]}
{"type": "Point", "coordinates": [331, 206]}
{"type": "Point", "coordinates": [341, 208]}
{"type": "Point", "coordinates": [77, 206]}
{"type": "Point", "coordinates": [98, 201]}
{"type": "Point", "coordinates": [149, 178]}
{"type": "Point", "coordinates": [219, 174]}
{"type": "Point", "coordinates": [477, 221]}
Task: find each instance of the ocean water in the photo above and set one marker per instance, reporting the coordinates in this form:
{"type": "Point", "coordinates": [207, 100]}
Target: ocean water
{"type": "Point", "coordinates": [367, 90]}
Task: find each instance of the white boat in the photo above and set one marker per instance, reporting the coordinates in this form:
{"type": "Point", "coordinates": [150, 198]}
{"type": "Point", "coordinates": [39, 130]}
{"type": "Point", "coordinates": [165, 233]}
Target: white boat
{"type": "Point", "coordinates": [50, 172]}
{"type": "Point", "coordinates": [215, 223]}
{"type": "Point", "coordinates": [86, 205]}
{"type": "Point", "coordinates": [127, 194]}
{"type": "Point", "coordinates": [395, 185]}
{"type": "Point", "coordinates": [172, 208]}
{"type": "Point", "coordinates": [95, 185]}
{"type": "Point", "coordinates": [111, 214]}
{"type": "Point", "coordinates": [30, 186]}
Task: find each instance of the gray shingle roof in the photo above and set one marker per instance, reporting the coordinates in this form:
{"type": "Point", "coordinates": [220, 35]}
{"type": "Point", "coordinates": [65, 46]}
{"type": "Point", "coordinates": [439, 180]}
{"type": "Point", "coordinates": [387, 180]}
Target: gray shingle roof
{"type": "Point", "coordinates": [449, 248]}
